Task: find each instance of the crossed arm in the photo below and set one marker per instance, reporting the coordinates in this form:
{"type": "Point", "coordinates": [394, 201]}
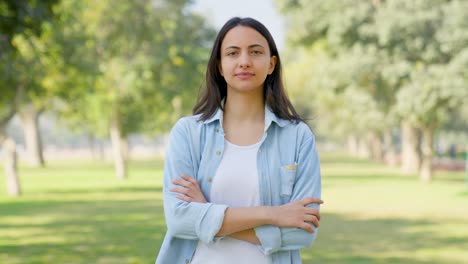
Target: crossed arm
{"type": "Point", "coordinates": [291, 226]}
{"type": "Point", "coordinates": [239, 223]}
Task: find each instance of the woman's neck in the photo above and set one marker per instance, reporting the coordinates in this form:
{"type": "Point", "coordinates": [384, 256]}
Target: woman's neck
{"type": "Point", "coordinates": [244, 108]}
{"type": "Point", "coordinates": [244, 119]}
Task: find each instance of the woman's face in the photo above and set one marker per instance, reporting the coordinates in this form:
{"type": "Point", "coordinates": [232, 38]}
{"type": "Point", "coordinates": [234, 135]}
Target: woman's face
{"type": "Point", "coordinates": [245, 60]}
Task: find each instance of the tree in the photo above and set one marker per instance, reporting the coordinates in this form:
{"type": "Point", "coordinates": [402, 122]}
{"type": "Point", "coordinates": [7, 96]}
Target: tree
{"type": "Point", "coordinates": [409, 42]}
{"type": "Point", "coordinates": [133, 66]}
{"type": "Point", "coordinates": [355, 70]}
{"type": "Point", "coordinates": [32, 69]}
{"type": "Point", "coordinates": [17, 18]}
{"type": "Point", "coordinates": [426, 35]}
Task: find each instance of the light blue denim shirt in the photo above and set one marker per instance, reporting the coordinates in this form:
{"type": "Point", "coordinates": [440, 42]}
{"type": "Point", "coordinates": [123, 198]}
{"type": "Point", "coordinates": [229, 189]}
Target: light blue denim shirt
{"type": "Point", "coordinates": [288, 170]}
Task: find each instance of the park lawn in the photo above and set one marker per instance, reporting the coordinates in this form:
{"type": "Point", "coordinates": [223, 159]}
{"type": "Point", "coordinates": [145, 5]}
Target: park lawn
{"type": "Point", "coordinates": [373, 214]}
{"type": "Point", "coordinates": [77, 212]}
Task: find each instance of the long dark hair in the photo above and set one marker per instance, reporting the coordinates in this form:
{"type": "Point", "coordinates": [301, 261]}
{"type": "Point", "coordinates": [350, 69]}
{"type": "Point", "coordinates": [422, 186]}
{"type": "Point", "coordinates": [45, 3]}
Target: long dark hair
{"type": "Point", "coordinates": [216, 87]}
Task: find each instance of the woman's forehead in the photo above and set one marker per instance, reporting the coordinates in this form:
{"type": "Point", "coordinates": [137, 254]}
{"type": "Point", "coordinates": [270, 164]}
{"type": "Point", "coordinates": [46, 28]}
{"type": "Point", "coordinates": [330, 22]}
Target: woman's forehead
{"type": "Point", "coordinates": [242, 36]}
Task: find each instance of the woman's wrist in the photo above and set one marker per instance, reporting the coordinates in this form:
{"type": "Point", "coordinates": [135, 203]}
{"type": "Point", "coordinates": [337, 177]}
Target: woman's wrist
{"type": "Point", "coordinates": [268, 214]}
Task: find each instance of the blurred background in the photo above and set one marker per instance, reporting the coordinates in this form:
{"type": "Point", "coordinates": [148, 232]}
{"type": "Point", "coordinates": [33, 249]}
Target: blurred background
{"type": "Point", "coordinates": [90, 89]}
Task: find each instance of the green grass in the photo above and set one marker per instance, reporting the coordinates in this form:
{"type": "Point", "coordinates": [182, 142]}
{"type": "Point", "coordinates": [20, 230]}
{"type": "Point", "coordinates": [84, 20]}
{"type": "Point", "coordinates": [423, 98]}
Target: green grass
{"type": "Point", "coordinates": [79, 213]}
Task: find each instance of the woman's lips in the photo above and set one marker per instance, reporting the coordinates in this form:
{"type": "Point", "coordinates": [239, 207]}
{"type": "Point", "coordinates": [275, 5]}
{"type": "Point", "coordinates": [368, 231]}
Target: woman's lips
{"type": "Point", "coordinates": [244, 75]}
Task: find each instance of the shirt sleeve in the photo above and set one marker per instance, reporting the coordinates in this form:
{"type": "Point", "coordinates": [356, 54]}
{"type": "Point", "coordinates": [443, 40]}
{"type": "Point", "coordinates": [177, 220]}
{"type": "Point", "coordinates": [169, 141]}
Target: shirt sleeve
{"type": "Point", "coordinates": [197, 221]}
{"type": "Point", "coordinates": [307, 184]}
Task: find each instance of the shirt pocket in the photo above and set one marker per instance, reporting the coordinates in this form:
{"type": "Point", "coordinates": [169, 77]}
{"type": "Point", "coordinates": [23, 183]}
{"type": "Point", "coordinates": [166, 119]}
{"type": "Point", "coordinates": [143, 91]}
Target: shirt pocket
{"type": "Point", "coordinates": [288, 177]}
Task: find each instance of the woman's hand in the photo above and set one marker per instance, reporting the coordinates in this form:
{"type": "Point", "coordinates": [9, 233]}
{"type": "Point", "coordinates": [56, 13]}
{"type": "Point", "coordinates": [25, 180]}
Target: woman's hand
{"type": "Point", "coordinates": [189, 190]}
{"type": "Point", "coordinates": [293, 214]}
{"type": "Point", "coordinates": [296, 214]}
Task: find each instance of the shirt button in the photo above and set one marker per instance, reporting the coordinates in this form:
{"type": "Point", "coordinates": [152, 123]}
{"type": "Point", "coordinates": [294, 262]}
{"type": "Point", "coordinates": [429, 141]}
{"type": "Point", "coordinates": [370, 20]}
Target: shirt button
{"type": "Point", "coordinates": [217, 130]}
{"type": "Point", "coordinates": [187, 261]}
{"type": "Point", "coordinates": [218, 152]}
{"type": "Point", "coordinates": [210, 179]}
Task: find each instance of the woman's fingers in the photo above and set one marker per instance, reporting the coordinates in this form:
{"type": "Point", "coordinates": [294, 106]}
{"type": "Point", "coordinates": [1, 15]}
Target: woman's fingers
{"type": "Point", "coordinates": [312, 219]}
{"type": "Point", "coordinates": [308, 220]}
{"type": "Point", "coordinates": [312, 211]}
{"type": "Point", "coordinates": [189, 179]}
{"type": "Point", "coordinates": [180, 190]}
{"type": "Point", "coordinates": [310, 200]}
{"type": "Point", "coordinates": [186, 192]}
{"type": "Point", "coordinates": [189, 188]}
{"type": "Point", "coordinates": [184, 198]}
{"type": "Point", "coordinates": [307, 227]}
{"type": "Point", "coordinates": [186, 184]}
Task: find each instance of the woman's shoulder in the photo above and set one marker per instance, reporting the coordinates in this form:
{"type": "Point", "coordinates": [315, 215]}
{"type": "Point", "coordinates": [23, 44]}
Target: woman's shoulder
{"type": "Point", "coordinates": [188, 123]}
{"type": "Point", "coordinates": [300, 128]}
{"type": "Point", "coordinates": [290, 126]}
{"type": "Point", "coordinates": [299, 125]}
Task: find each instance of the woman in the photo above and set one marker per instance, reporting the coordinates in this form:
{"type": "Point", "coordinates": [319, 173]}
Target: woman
{"type": "Point", "coordinates": [241, 177]}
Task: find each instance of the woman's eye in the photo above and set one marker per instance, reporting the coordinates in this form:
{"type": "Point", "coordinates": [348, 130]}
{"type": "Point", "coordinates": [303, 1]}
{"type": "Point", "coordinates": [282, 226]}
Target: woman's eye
{"type": "Point", "coordinates": [232, 53]}
{"type": "Point", "coordinates": [256, 52]}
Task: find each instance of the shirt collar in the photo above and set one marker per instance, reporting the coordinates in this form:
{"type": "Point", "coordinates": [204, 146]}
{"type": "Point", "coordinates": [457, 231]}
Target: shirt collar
{"type": "Point", "coordinates": [218, 115]}
{"type": "Point", "coordinates": [269, 117]}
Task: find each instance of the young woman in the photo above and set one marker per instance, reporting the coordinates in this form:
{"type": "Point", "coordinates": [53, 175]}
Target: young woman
{"type": "Point", "coordinates": [242, 177]}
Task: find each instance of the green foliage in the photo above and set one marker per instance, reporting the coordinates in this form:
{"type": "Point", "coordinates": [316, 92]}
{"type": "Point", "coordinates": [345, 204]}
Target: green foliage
{"type": "Point", "coordinates": [24, 20]}
{"type": "Point", "coordinates": [387, 60]}
{"type": "Point", "coordinates": [134, 61]}
{"type": "Point", "coordinates": [20, 16]}
{"type": "Point", "coordinates": [140, 62]}
{"type": "Point", "coordinates": [432, 95]}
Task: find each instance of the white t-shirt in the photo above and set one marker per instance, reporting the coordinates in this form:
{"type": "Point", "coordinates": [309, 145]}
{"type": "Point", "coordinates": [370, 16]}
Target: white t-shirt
{"type": "Point", "coordinates": [236, 185]}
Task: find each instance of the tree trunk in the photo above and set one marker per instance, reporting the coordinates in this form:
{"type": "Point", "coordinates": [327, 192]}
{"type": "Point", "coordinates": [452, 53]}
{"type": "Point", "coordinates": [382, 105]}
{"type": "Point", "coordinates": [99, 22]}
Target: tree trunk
{"type": "Point", "coordinates": [376, 147]}
{"type": "Point", "coordinates": [96, 148]}
{"type": "Point", "coordinates": [101, 149]}
{"type": "Point", "coordinates": [29, 119]}
{"type": "Point", "coordinates": [117, 150]}
{"type": "Point", "coordinates": [363, 148]}
{"type": "Point", "coordinates": [353, 145]}
{"type": "Point", "coordinates": [9, 146]}
{"type": "Point", "coordinates": [92, 146]}
{"type": "Point", "coordinates": [125, 148]}
{"type": "Point", "coordinates": [410, 155]}
{"type": "Point", "coordinates": [11, 171]}
{"type": "Point", "coordinates": [389, 149]}
{"type": "Point", "coordinates": [425, 173]}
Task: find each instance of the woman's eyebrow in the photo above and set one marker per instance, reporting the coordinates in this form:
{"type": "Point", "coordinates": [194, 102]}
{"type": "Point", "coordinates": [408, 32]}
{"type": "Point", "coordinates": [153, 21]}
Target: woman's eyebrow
{"type": "Point", "coordinates": [255, 46]}
{"type": "Point", "coordinates": [250, 46]}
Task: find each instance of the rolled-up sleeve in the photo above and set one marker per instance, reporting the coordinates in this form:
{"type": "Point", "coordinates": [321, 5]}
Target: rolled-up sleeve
{"type": "Point", "coordinates": [197, 221]}
{"type": "Point", "coordinates": [307, 184]}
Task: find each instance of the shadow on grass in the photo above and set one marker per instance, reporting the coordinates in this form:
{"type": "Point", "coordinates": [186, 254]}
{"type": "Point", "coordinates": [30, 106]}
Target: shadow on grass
{"type": "Point", "coordinates": [132, 231]}
{"type": "Point", "coordinates": [120, 189]}
{"type": "Point", "coordinates": [347, 240]}
{"type": "Point", "coordinates": [371, 176]}
{"type": "Point", "coordinates": [92, 166]}
{"type": "Point", "coordinates": [333, 163]}
{"type": "Point", "coordinates": [331, 159]}
{"type": "Point", "coordinates": [76, 231]}
{"type": "Point", "coordinates": [449, 176]}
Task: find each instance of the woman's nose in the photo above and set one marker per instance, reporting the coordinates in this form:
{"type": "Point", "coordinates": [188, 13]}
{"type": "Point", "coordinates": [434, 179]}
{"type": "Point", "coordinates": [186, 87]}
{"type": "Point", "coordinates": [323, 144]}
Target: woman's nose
{"type": "Point", "coordinates": [244, 60]}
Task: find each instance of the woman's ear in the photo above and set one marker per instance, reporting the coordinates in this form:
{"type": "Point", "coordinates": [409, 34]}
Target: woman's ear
{"type": "Point", "coordinates": [272, 64]}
